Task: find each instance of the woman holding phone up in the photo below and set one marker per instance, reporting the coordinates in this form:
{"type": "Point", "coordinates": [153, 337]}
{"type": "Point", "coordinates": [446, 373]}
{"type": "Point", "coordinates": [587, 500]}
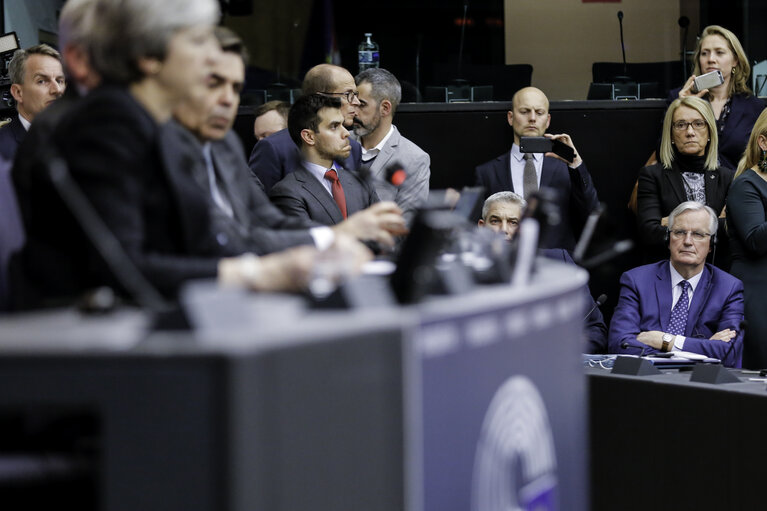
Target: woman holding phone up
{"type": "Point", "coordinates": [735, 107]}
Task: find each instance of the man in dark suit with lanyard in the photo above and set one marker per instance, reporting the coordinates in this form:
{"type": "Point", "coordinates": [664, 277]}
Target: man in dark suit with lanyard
{"type": "Point", "coordinates": [525, 173]}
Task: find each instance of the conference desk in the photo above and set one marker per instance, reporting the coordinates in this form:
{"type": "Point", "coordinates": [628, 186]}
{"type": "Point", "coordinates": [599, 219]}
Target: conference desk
{"type": "Point", "coordinates": [663, 442]}
{"type": "Point", "coordinates": [462, 402]}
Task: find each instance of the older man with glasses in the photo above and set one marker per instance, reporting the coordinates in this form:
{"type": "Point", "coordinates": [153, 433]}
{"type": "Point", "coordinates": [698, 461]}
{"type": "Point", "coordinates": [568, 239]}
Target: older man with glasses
{"type": "Point", "coordinates": [681, 304]}
{"type": "Point", "coordinates": [276, 156]}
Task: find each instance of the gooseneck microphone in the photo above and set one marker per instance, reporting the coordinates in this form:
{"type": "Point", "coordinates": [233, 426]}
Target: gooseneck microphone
{"type": "Point", "coordinates": [104, 241]}
{"type": "Point", "coordinates": [741, 331]}
{"type": "Point", "coordinates": [684, 23]}
{"type": "Point", "coordinates": [600, 302]}
{"type": "Point", "coordinates": [623, 46]}
{"type": "Point", "coordinates": [625, 345]}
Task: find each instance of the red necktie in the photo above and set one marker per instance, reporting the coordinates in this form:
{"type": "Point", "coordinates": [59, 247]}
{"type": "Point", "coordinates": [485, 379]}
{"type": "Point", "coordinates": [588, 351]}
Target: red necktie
{"type": "Point", "coordinates": [337, 190]}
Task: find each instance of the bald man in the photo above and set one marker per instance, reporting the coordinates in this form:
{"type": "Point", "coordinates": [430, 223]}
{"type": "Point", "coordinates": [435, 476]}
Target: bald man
{"type": "Point", "coordinates": [514, 171]}
{"type": "Point", "coordinates": [277, 155]}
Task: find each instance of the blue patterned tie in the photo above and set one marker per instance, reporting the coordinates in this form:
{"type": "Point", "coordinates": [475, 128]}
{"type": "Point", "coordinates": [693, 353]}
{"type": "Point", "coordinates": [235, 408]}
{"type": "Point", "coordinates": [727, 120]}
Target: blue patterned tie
{"type": "Point", "coordinates": [679, 312]}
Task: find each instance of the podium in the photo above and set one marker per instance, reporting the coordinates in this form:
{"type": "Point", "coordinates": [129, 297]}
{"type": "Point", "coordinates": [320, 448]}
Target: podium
{"type": "Point", "coordinates": [445, 405]}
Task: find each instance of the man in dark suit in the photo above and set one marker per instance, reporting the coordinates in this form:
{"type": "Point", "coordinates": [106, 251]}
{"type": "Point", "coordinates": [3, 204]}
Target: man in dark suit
{"type": "Point", "coordinates": [37, 80]}
{"type": "Point", "coordinates": [241, 213]}
{"type": "Point", "coordinates": [277, 155]}
{"type": "Point", "coordinates": [320, 189]}
{"type": "Point", "coordinates": [525, 173]}
{"type": "Point", "coordinates": [682, 304]}
{"type": "Point", "coordinates": [502, 213]}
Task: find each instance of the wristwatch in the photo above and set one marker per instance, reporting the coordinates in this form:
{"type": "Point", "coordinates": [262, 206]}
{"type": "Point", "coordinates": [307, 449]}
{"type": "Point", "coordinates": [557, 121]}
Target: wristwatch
{"type": "Point", "coordinates": [667, 340]}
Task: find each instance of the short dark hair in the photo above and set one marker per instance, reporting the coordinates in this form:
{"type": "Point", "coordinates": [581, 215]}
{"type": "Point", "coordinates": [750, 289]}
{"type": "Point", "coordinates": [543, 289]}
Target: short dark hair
{"type": "Point", "coordinates": [230, 42]}
{"type": "Point", "coordinates": [281, 107]}
{"type": "Point", "coordinates": [304, 114]}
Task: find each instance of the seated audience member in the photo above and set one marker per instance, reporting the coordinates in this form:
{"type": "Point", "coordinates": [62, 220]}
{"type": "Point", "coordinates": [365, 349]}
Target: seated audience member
{"type": "Point", "coordinates": [110, 141]}
{"type": "Point", "coordinates": [681, 303]}
{"type": "Point", "coordinates": [502, 213]}
{"type": "Point", "coordinates": [276, 156]}
{"type": "Point", "coordinates": [383, 145]}
{"type": "Point", "coordinates": [688, 171]}
{"type": "Point", "coordinates": [525, 173]}
{"type": "Point", "coordinates": [37, 80]}
{"type": "Point", "coordinates": [241, 212]}
{"type": "Point", "coordinates": [747, 226]}
{"type": "Point", "coordinates": [320, 189]}
{"type": "Point", "coordinates": [270, 118]}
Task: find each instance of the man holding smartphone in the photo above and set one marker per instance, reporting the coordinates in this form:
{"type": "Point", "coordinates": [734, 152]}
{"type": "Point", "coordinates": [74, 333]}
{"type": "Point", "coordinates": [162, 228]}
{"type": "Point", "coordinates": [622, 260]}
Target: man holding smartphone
{"type": "Point", "coordinates": [524, 173]}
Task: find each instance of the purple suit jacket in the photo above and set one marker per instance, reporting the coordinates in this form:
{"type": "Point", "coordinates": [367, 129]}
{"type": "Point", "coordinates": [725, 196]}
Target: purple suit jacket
{"type": "Point", "coordinates": [645, 304]}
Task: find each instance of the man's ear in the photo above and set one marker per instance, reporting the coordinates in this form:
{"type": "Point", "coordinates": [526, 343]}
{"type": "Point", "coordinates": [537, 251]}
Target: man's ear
{"type": "Point", "coordinates": [481, 223]}
{"type": "Point", "coordinates": [16, 92]}
{"type": "Point", "coordinates": [307, 136]}
{"type": "Point", "coordinates": [510, 117]}
{"type": "Point", "coordinates": [386, 107]}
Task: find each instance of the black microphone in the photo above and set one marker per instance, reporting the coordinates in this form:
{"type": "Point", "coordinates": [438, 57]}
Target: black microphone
{"type": "Point", "coordinates": [615, 250]}
{"type": "Point", "coordinates": [625, 345]}
{"type": "Point", "coordinates": [103, 240]}
{"type": "Point", "coordinates": [742, 330]}
{"type": "Point", "coordinates": [684, 23]}
{"type": "Point", "coordinates": [623, 46]}
{"type": "Point", "coordinates": [463, 33]}
{"type": "Point", "coordinates": [600, 302]}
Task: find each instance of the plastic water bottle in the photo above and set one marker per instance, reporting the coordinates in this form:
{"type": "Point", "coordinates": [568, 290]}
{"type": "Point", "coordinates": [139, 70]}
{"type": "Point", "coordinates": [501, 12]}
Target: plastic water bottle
{"type": "Point", "coordinates": [367, 53]}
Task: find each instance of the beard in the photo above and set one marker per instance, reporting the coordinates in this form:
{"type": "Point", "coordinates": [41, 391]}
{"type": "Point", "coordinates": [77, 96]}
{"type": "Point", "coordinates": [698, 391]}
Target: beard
{"type": "Point", "coordinates": [362, 130]}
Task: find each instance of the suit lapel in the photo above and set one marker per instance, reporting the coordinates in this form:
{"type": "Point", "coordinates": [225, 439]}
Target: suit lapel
{"type": "Point", "coordinates": [18, 129]}
{"type": "Point", "coordinates": [503, 171]}
{"type": "Point", "coordinates": [315, 189]}
{"type": "Point", "coordinates": [711, 188]}
{"type": "Point", "coordinates": [663, 292]}
{"type": "Point", "coordinates": [177, 166]}
{"type": "Point", "coordinates": [356, 195]}
{"type": "Point", "coordinates": [675, 182]}
{"type": "Point", "coordinates": [699, 299]}
{"type": "Point", "coordinates": [733, 119]}
{"type": "Point", "coordinates": [224, 169]}
{"type": "Point", "coordinates": [388, 150]}
{"type": "Point", "coordinates": [547, 172]}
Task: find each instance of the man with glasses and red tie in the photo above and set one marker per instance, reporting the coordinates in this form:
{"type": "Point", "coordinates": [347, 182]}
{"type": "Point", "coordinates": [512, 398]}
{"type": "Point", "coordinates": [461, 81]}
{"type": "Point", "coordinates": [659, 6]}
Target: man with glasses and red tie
{"type": "Point", "coordinates": [276, 156]}
{"type": "Point", "coordinates": [682, 304]}
{"type": "Point", "coordinates": [319, 188]}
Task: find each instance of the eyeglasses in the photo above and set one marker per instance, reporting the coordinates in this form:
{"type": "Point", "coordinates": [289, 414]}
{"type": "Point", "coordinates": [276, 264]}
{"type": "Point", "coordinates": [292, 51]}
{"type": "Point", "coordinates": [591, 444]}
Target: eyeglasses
{"type": "Point", "coordinates": [349, 95]}
{"type": "Point", "coordinates": [696, 235]}
{"type": "Point", "coordinates": [697, 124]}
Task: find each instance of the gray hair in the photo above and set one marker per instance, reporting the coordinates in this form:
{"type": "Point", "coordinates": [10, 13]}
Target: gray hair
{"type": "Point", "coordinates": [76, 22]}
{"type": "Point", "coordinates": [691, 205]}
{"type": "Point", "coordinates": [383, 84]}
{"type": "Point", "coordinates": [128, 30]}
{"type": "Point", "coordinates": [18, 64]}
{"type": "Point", "coordinates": [502, 197]}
